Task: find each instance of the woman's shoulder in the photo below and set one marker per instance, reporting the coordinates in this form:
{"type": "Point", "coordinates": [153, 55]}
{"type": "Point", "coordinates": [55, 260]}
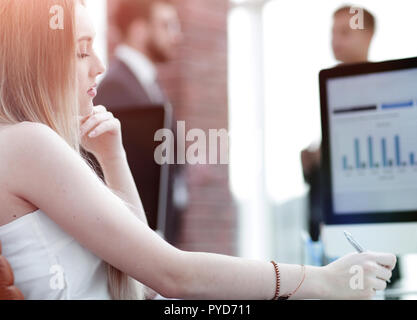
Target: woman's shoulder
{"type": "Point", "coordinates": [24, 131]}
{"type": "Point", "coordinates": [20, 146]}
{"type": "Point", "coordinates": [25, 141]}
{"type": "Point", "coordinates": [31, 154]}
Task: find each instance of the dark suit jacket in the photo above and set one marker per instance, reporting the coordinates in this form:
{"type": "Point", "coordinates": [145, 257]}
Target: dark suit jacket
{"type": "Point", "coordinates": [120, 88]}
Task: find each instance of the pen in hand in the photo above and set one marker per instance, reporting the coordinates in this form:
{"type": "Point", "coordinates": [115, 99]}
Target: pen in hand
{"type": "Point", "coordinates": [355, 244]}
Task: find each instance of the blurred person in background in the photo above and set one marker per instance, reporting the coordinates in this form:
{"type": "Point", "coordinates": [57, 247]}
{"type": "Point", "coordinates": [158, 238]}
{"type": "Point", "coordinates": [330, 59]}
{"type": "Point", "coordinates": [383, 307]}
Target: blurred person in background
{"type": "Point", "coordinates": [150, 33]}
{"type": "Point", "coordinates": [349, 46]}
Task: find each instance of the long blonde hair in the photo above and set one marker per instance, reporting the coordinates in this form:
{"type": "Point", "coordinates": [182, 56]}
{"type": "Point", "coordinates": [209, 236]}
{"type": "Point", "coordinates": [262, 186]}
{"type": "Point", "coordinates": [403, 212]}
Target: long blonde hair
{"type": "Point", "coordinates": [38, 83]}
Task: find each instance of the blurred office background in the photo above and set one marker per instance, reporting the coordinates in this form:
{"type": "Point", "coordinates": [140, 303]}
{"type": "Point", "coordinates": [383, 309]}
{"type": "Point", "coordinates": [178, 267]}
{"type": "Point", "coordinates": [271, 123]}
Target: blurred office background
{"type": "Point", "coordinates": [252, 66]}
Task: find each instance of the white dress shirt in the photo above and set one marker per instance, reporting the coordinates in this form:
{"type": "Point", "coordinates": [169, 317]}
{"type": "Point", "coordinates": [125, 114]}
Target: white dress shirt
{"type": "Point", "coordinates": [143, 69]}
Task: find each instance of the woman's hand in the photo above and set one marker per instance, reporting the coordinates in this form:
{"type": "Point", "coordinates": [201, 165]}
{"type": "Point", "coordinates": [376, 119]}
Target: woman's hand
{"type": "Point", "coordinates": [101, 134]}
{"type": "Point", "coordinates": [359, 275]}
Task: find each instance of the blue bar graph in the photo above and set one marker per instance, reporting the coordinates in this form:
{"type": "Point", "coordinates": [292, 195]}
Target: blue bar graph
{"type": "Point", "coordinates": [370, 151]}
{"type": "Point", "coordinates": [384, 152]}
{"type": "Point", "coordinates": [397, 151]}
{"type": "Point", "coordinates": [398, 156]}
{"type": "Point", "coordinates": [357, 154]}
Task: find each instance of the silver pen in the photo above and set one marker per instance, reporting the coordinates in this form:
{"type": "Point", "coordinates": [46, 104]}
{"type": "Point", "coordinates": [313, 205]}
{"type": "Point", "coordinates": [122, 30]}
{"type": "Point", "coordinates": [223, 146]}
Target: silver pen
{"type": "Point", "coordinates": [355, 244]}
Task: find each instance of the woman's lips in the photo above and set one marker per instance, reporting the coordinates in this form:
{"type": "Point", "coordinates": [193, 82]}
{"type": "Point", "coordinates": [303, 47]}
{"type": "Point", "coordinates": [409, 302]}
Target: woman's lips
{"type": "Point", "coordinates": [92, 92]}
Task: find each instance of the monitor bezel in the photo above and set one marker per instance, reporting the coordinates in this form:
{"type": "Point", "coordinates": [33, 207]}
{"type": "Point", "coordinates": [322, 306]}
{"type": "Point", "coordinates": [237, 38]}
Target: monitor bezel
{"type": "Point", "coordinates": [330, 217]}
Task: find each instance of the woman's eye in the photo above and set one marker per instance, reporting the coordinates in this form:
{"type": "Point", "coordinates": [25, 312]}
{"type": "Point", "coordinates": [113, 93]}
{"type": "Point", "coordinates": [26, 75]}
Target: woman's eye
{"type": "Point", "coordinates": [83, 55]}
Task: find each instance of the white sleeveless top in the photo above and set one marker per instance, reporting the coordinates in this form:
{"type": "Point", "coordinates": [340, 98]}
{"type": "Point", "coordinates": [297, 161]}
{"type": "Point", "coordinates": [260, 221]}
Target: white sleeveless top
{"type": "Point", "coordinates": [50, 264]}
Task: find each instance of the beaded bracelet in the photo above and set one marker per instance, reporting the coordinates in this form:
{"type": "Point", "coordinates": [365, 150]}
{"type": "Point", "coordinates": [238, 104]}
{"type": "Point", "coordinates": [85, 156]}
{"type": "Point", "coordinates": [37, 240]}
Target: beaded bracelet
{"type": "Point", "coordinates": [276, 296]}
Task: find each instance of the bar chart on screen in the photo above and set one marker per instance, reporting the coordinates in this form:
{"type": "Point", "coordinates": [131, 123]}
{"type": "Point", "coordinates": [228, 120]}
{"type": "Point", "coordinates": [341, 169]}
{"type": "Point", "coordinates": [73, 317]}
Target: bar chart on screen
{"type": "Point", "coordinates": [400, 157]}
{"type": "Point", "coordinates": [377, 148]}
{"type": "Point", "coordinates": [373, 145]}
{"type": "Point", "coordinates": [375, 154]}
{"type": "Point", "coordinates": [380, 164]}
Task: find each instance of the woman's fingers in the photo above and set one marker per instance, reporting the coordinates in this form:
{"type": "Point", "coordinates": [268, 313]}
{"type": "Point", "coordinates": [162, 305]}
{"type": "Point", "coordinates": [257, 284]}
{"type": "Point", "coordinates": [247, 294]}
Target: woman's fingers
{"type": "Point", "coordinates": [387, 260]}
{"type": "Point", "coordinates": [378, 284]}
{"type": "Point", "coordinates": [96, 109]}
{"type": "Point", "coordinates": [383, 273]}
{"type": "Point", "coordinates": [82, 119]}
{"type": "Point", "coordinates": [94, 120]}
{"type": "Point", "coordinates": [103, 127]}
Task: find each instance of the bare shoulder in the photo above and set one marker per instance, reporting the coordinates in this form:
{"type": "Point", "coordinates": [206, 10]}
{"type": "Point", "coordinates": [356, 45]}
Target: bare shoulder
{"type": "Point", "coordinates": [23, 131]}
{"type": "Point", "coordinates": [26, 137]}
{"type": "Point", "coordinates": [24, 144]}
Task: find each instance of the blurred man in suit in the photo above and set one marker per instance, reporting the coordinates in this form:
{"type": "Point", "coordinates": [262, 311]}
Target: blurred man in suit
{"type": "Point", "coordinates": [151, 32]}
{"type": "Point", "coordinates": [349, 46]}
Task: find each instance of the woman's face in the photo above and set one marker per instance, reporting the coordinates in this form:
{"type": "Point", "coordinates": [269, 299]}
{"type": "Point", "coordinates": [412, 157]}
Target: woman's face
{"type": "Point", "coordinates": [88, 64]}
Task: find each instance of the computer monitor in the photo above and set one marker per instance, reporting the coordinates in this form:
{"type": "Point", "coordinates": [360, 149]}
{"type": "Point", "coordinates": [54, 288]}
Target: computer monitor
{"type": "Point", "coordinates": [369, 156]}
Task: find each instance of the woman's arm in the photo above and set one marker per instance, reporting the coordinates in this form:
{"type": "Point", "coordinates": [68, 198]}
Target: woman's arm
{"type": "Point", "coordinates": [119, 178]}
{"type": "Point", "coordinates": [211, 276]}
{"type": "Point", "coordinates": [108, 148]}
{"type": "Point", "coordinates": [49, 174]}
{"type": "Point", "coordinates": [45, 171]}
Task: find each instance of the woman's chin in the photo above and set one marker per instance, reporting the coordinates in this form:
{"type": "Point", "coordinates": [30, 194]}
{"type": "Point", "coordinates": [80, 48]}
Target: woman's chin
{"type": "Point", "coordinates": [87, 109]}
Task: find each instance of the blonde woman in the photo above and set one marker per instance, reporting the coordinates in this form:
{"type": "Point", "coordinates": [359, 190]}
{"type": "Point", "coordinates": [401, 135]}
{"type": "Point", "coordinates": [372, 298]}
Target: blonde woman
{"type": "Point", "coordinates": [66, 234]}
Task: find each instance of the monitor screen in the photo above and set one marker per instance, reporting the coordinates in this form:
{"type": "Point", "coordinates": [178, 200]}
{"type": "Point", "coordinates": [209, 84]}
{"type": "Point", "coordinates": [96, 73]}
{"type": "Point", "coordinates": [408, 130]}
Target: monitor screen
{"type": "Point", "coordinates": [370, 131]}
{"type": "Point", "coordinates": [373, 125]}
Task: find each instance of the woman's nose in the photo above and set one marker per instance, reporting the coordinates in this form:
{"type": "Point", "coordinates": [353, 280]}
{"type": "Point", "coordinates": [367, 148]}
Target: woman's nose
{"type": "Point", "coordinates": [97, 68]}
{"type": "Point", "coordinates": [101, 68]}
